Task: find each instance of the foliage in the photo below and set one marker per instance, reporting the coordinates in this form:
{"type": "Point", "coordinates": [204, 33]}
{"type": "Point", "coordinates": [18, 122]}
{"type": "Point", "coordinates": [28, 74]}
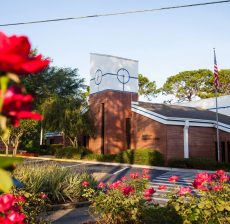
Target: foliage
{"type": "Point", "coordinates": [210, 203]}
{"type": "Point", "coordinates": [138, 156]}
{"type": "Point", "coordinates": [67, 152]}
{"type": "Point", "coordinates": [54, 81]}
{"type": "Point", "coordinates": [147, 88]}
{"type": "Point", "coordinates": [198, 163]}
{"type": "Point", "coordinates": [32, 205]}
{"type": "Point", "coordinates": [60, 184]}
{"type": "Point", "coordinates": [122, 201]}
{"type": "Point", "coordinates": [7, 164]}
{"type": "Point", "coordinates": [72, 117]}
{"type": "Point", "coordinates": [187, 85]}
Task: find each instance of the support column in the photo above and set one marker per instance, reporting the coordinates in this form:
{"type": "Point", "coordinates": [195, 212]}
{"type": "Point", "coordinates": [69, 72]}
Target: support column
{"type": "Point", "coordinates": [186, 145]}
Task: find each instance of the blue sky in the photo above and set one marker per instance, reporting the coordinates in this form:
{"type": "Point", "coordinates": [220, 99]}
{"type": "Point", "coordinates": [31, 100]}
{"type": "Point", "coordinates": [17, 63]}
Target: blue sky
{"type": "Point", "coordinates": [164, 42]}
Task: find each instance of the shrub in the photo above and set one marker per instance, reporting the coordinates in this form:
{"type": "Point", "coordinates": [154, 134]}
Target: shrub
{"type": "Point", "coordinates": [32, 205]}
{"type": "Point", "coordinates": [67, 152]}
{"type": "Point", "coordinates": [198, 163]}
{"type": "Point", "coordinates": [209, 203]}
{"type": "Point", "coordinates": [122, 201]}
{"type": "Point", "coordinates": [60, 184]}
{"type": "Point", "coordinates": [141, 156]}
{"type": "Point", "coordinates": [53, 147]}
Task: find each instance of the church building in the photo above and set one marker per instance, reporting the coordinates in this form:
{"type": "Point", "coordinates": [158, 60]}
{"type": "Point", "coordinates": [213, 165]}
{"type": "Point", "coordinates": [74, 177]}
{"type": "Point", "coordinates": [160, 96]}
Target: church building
{"type": "Point", "coordinates": [122, 122]}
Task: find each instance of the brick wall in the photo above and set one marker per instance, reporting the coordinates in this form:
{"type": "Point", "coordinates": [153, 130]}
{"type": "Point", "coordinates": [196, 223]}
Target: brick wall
{"type": "Point", "coordinates": [117, 107]}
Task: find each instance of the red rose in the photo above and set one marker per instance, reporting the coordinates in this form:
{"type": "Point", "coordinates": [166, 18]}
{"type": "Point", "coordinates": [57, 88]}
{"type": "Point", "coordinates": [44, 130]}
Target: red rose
{"type": "Point", "coordinates": [145, 176]}
{"type": "Point", "coordinates": [173, 178]}
{"type": "Point", "coordinates": [6, 202]}
{"type": "Point", "coordinates": [18, 106]}
{"type": "Point", "coordinates": [116, 185]}
{"type": "Point", "coordinates": [184, 190]}
{"type": "Point", "coordinates": [146, 170]}
{"type": "Point", "coordinates": [220, 172]}
{"type": "Point", "coordinates": [101, 185]}
{"type": "Point", "coordinates": [162, 187]}
{"type": "Point", "coordinates": [217, 187]}
{"type": "Point", "coordinates": [134, 175]}
{"type": "Point", "coordinates": [15, 56]}
{"type": "Point", "coordinates": [16, 217]}
{"type": "Point", "coordinates": [127, 190]}
{"type": "Point", "coordinates": [85, 184]}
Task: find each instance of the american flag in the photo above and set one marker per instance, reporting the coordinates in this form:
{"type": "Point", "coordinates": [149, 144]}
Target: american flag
{"type": "Point", "coordinates": [216, 77]}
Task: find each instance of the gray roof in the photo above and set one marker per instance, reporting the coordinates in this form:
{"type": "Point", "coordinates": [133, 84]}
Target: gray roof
{"type": "Point", "coordinates": [183, 112]}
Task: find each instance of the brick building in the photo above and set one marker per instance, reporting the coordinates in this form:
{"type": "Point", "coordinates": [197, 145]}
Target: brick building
{"type": "Point", "coordinates": [122, 122]}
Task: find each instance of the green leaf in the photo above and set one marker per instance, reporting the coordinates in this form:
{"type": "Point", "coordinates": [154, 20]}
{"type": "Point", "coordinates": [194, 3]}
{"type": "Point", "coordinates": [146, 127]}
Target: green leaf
{"type": "Point", "coordinates": [6, 162]}
{"type": "Point", "coordinates": [5, 181]}
{"type": "Point", "coordinates": [3, 86]}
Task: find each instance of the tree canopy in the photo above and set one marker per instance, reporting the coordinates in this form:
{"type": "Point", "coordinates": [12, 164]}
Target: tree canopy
{"type": "Point", "coordinates": [187, 85]}
{"type": "Point", "coordinates": [147, 88]}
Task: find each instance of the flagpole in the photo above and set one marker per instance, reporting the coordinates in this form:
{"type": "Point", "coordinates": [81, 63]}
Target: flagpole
{"type": "Point", "coordinates": [217, 117]}
{"type": "Point", "coordinates": [217, 129]}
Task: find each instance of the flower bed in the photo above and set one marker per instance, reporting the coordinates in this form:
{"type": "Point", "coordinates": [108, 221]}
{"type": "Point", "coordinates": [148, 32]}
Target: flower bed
{"type": "Point", "coordinates": [130, 200]}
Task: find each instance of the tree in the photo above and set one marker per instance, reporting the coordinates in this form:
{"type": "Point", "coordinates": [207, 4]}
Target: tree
{"type": "Point", "coordinates": [146, 88]}
{"type": "Point", "coordinates": [69, 115]}
{"type": "Point", "coordinates": [185, 86]}
{"type": "Point", "coordinates": [54, 81]}
{"type": "Point", "coordinates": [15, 133]}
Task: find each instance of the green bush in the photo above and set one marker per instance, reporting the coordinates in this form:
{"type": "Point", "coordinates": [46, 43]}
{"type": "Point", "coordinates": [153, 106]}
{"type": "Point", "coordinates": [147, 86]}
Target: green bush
{"type": "Point", "coordinates": [120, 202]}
{"type": "Point", "coordinates": [53, 147]}
{"type": "Point", "coordinates": [67, 152]}
{"type": "Point", "coordinates": [60, 184]}
{"type": "Point", "coordinates": [141, 156]}
{"type": "Point", "coordinates": [198, 163]}
{"type": "Point", "coordinates": [32, 205]}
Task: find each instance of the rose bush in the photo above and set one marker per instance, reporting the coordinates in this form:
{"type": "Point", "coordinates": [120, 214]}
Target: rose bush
{"type": "Point", "coordinates": [209, 202]}
{"type": "Point", "coordinates": [122, 201]}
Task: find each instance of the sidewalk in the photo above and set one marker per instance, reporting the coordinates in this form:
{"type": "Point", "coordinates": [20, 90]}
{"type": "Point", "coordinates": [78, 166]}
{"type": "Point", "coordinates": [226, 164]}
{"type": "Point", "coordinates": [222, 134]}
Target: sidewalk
{"type": "Point", "coordinates": [70, 216]}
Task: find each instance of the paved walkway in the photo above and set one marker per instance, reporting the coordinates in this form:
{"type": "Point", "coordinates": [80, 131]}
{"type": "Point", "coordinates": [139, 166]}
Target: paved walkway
{"type": "Point", "coordinates": [70, 216]}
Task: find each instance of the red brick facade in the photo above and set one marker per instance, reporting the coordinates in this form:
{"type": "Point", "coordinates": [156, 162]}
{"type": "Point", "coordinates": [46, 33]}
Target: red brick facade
{"type": "Point", "coordinates": [112, 127]}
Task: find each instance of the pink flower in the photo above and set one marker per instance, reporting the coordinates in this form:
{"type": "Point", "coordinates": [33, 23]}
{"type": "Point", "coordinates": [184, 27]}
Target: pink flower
{"type": "Point", "coordinates": [145, 176]}
{"type": "Point", "coordinates": [116, 185]}
{"type": "Point", "coordinates": [85, 184]}
{"type": "Point", "coordinates": [134, 175]}
{"type": "Point", "coordinates": [101, 185]}
{"type": "Point", "coordinates": [145, 170]}
{"type": "Point", "coordinates": [43, 195]}
{"type": "Point", "coordinates": [127, 190]}
{"type": "Point", "coordinates": [203, 176]}
{"type": "Point", "coordinates": [6, 201]}
{"type": "Point", "coordinates": [124, 178]}
{"type": "Point", "coordinates": [173, 178]}
{"type": "Point", "coordinates": [162, 187]}
{"type": "Point", "coordinates": [224, 178]}
{"type": "Point", "coordinates": [20, 198]}
{"type": "Point", "coordinates": [184, 190]}
{"type": "Point", "coordinates": [220, 172]}
{"type": "Point", "coordinates": [16, 217]}
{"type": "Point", "coordinates": [217, 187]}
{"type": "Point", "coordinates": [148, 193]}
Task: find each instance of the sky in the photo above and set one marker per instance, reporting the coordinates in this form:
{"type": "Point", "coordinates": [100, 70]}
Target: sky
{"type": "Point", "coordinates": [164, 42]}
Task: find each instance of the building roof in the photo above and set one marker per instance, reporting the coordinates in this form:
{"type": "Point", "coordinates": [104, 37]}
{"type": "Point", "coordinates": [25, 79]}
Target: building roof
{"type": "Point", "coordinates": [168, 110]}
